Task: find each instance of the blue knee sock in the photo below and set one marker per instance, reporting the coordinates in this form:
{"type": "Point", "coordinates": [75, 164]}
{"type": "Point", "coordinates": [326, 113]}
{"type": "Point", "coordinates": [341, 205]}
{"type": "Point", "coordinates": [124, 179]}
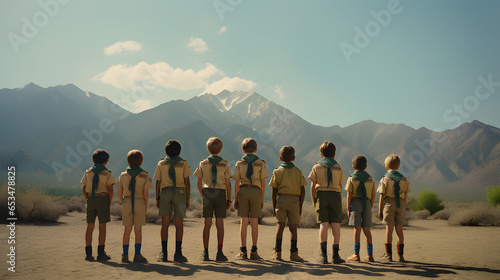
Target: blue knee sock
{"type": "Point", "coordinates": [138, 249]}
{"type": "Point", "coordinates": [369, 249]}
{"type": "Point", "coordinates": [357, 246]}
{"type": "Point", "coordinates": [125, 249]}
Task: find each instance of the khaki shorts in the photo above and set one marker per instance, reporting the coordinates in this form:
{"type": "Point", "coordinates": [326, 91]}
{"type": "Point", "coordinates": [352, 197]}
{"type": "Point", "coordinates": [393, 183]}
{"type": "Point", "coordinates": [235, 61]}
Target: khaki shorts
{"type": "Point", "coordinates": [360, 217]}
{"type": "Point", "coordinates": [288, 206]}
{"type": "Point", "coordinates": [170, 201]}
{"type": "Point", "coordinates": [328, 207]}
{"type": "Point", "coordinates": [250, 202]}
{"type": "Point", "coordinates": [138, 217]}
{"type": "Point", "coordinates": [392, 214]}
{"type": "Point", "coordinates": [214, 200]}
{"type": "Point", "coordinates": [98, 207]}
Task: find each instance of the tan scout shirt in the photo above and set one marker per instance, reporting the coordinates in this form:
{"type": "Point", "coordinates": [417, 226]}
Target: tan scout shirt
{"type": "Point", "coordinates": [142, 182]}
{"type": "Point", "coordinates": [353, 184]}
{"type": "Point", "coordinates": [386, 187]}
{"type": "Point", "coordinates": [287, 180]}
{"type": "Point", "coordinates": [204, 171]}
{"type": "Point", "coordinates": [106, 178]}
{"type": "Point", "coordinates": [259, 172]}
{"type": "Point", "coordinates": [319, 175]}
{"type": "Point", "coordinates": [182, 170]}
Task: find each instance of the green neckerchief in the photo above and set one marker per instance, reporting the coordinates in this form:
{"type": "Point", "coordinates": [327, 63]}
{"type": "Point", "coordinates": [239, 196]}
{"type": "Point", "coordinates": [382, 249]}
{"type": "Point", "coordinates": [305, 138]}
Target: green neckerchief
{"type": "Point", "coordinates": [328, 162]}
{"type": "Point", "coordinates": [250, 159]}
{"type": "Point", "coordinates": [133, 171]}
{"type": "Point", "coordinates": [96, 168]}
{"type": "Point", "coordinates": [213, 161]}
{"type": "Point", "coordinates": [171, 171]}
{"type": "Point", "coordinates": [287, 164]}
{"type": "Point", "coordinates": [362, 176]}
{"type": "Point", "coordinates": [396, 176]}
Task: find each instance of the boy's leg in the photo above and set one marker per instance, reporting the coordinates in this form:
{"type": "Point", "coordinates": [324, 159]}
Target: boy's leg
{"type": "Point", "coordinates": [88, 241]}
{"type": "Point", "coordinates": [294, 251]}
{"type": "Point", "coordinates": [126, 242]}
{"type": "Point", "coordinates": [357, 245]}
{"type": "Point", "coordinates": [280, 227]}
{"type": "Point", "coordinates": [388, 243]}
{"type": "Point", "coordinates": [101, 254]}
{"type": "Point", "coordinates": [179, 232]}
{"type": "Point", "coordinates": [219, 223]}
{"type": "Point", "coordinates": [401, 240]}
{"type": "Point", "coordinates": [243, 231]}
{"type": "Point", "coordinates": [138, 258]}
{"type": "Point", "coordinates": [369, 244]}
{"type": "Point", "coordinates": [336, 241]}
{"type": "Point", "coordinates": [254, 224]}
{"type": "Point", "coordinates": [207, 224]}
{"type": "Point", "coordinates": [323, 235]}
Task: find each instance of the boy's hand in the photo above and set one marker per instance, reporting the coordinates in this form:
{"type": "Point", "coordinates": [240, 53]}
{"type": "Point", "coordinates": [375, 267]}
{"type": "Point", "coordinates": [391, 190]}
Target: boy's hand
{"type": "Point", "coordinates": [300, 210]}
{"type": "Point", "coordinates": [381, 215]}
{"type": "Point", "coordinates": [236, 204]}
{"type": "Point", "coordinates": [348, 214]}
{"type": "Point", "coordinates": [187, 205]}
{"type": "Point", "coordinates": [274, 211]}
{"type": "Point", "coordinates": [228, 204]}
{"type": "Point", "coordinates": [158, 203]}
{"type": "Point", "coordinates": [262, 205]}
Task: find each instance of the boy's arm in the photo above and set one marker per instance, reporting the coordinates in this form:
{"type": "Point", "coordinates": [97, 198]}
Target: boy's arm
{"type": "Point", "coordinates": [381, 206]}
{"type": "Point", "coordinates": [313, 192]}
{"type": "Point", "coordinates": [302, 197]}
{"type": "Point", "coordinates": [110, 193]}
{"type": "Point", "coordinates": [146, 198]}
{"type": "Point", "coordinates": [199, 184]}
{"type": "Point", "coordinates": [236, 190]}
{"type": "Point", "coordinates": [158, 184]}
{"type": "Point", "coordinates": [406, 197]}
{"type": "Point", "coordinates": [188, 191]}
{"type": "Point", "coordinates": [85, 194]}
{"type": "Point", "coordinates": [373, 197]}
{"type": "Point", "coordinates": [120, 195]}
{"type": "Point", "coordinates": [262, 190]}
{"type": "Point", "coordinates": [228, 193]}
{"type": "Point", "coordinates": [275, 194]}
{"type": "Point", "coordinates": [349, 199]}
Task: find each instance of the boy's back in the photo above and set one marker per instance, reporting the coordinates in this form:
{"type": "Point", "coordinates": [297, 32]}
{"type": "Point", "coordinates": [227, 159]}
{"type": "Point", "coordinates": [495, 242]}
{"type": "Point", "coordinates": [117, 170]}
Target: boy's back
{"type": "Point", "coordinates": [106, 178]}
{"type": "Point", "coordinates": [182, 170]}
{"type": "Point", "coordinates": [287, 180]}
{"type": "Point", "coordinates": [204, 171]}
{"type": "Point", "coordinates": [142, 181]}
{"type": "Point", "coordinates": [386, 187]}
{"type": "Point", "coordinates": [319, 175]}
{"type": "Point", "coordinates": [259, 172]}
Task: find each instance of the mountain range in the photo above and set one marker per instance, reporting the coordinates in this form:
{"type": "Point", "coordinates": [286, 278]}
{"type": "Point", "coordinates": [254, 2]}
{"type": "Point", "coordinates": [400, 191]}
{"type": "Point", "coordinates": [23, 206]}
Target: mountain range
{"type": "Point", "coordinates": [50, 133]}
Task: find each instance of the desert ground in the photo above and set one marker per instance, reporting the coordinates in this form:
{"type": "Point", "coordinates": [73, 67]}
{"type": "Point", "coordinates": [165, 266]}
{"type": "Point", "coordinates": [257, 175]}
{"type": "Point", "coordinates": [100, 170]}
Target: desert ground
{"type": "Point", "coordinates": [433, 250]}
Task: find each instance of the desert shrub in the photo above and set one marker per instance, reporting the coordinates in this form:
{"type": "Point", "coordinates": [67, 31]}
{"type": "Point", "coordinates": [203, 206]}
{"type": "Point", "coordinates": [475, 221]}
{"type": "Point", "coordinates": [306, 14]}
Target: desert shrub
{"type": "Point", "coordinates": [443, 214]}
{"type": "Point", "coordinates": [267, 210]}
{"type": "Point", "coordinates": [195, 209]}
{"type": "Point", "coordinates": [74, 204]}
{"type": "Point", "coordinates": [428, 200]}
{"type": "Point", "coordinates": [308, 218]}
{"type": "Point", "coordinates": [411, 201]}
{"type": "Point", "coordinates": [475, 215]}
{"type": "Point", "coordinates": [422, 214]}
{"type": "Point", "coordinates": [493, 195]}
{"type": "Point", "coordinates": [35, 206]}
{"type": "Point", "coordinates": [152, 215]}
{"type": "Point", "coordinates": [116, 210]}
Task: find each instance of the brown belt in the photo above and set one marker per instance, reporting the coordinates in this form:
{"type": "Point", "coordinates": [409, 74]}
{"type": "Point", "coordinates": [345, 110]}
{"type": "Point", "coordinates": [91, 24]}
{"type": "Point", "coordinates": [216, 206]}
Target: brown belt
{"type": "Point", "coordinates": [248, 186]}
{"type": "Point", "coordinates": [287, 194]}
{"type": "Point", "coordinates": [98, 194]}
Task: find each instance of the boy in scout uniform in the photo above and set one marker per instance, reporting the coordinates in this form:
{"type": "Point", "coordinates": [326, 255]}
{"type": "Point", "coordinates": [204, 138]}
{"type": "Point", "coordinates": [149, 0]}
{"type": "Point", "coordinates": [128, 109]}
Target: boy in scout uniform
{"type": "Point", "coordinates": [250, 173]}
{"type": "Point", "coordinates": [133, 191]}
{"type": "Point", "coordinates": [360, 189]}
{"type": "Point", "coordinates": [215, 188]}
{"type": "Point", "coordinates": [98, 191]}
{"type": "Point", "coordinates": [393, 189]}
{"type": "Point", "coordinates": [288, 185]}
{"type": "Point", "coordinates": [172, 193]}
{"type": "Point", "coordinates": [326, 191]}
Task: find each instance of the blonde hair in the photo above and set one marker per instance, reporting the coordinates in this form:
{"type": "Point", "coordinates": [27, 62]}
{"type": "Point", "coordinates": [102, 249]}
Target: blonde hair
{"type": "Point", "coordinates": [392, 162]}
{"type": "Point", "coordinates": [214, 145]}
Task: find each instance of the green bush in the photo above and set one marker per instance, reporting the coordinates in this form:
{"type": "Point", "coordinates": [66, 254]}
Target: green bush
{"type": "Point", "coordinates": [428, 200]}
{"type": "Point", "coordinates": [493, 195]}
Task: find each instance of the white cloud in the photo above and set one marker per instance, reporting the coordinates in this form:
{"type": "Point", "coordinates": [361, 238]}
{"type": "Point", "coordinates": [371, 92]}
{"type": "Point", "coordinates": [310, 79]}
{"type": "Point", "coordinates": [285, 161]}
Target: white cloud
{"type": "Point", "coordinates": [222, 30]}
{"type": "Point", "coordinates": [278, 90]}
{"type": "Point", "coordinates": [126, 77]}
{"type": "Point", "coordinates": [230, 84]}
{"type": "Point", "coordinates": [118, 47]}
{"type": "Point", "coordinates": [198, 45]}
{"type": "Point", "coordinates": [141, 105]}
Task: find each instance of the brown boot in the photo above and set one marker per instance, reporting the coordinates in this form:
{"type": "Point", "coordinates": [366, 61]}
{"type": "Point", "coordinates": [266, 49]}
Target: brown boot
{"type": "Point", "coordinates": [294, 257]}
{"type": "Point", "coordinates": [369, 258]}
{"type": "Point", "coordinates": [276, 256]}
{"type": "Point", "coordinates": [354, 258]}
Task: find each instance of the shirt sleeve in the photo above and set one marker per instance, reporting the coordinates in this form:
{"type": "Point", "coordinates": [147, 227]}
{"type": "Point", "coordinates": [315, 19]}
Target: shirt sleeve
{"type": "Point", "coordinates": [199, 171]}
{"type": "Point", "coordinates": [111, 179]}
{"type": "Point", "coordinates": [273, 182]}
{"type": "Point", "coordinates": [227, 173]}
{"type": "Point", "coordinates": [118, 184]}
{"type": "Point", "coordinates": [342, 177]}
{"type": "Point", "coordinates": [84, 179]}
{"type": "Point", "coordinates": [348, 185]}
{"type": "Point", "coordinates": [157, 175]}
{"type": "Point", "coordinates": [303, 180]}
{"type": "Point", "coordinates": [149, 182]}
{"type": "Point", "coordinates": [187, 170]}
{"type": "Point", "coordinates": [263, 171]}
{"type": "Point", "coordinates": [313, 176]}
{"type": "Point", "coordinates": [236, 174]}
{"type": "Point", "coordinates": [381, 186]}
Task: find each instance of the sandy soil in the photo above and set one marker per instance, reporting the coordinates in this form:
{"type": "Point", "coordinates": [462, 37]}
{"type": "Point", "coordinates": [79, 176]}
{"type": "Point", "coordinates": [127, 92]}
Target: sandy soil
{"type": "Point", "coordinates": [433, 250]}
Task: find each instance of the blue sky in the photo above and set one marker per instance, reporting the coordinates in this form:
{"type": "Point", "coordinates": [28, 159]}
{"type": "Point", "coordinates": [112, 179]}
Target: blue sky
{"type": "Point", "coordinates": [421, 67]}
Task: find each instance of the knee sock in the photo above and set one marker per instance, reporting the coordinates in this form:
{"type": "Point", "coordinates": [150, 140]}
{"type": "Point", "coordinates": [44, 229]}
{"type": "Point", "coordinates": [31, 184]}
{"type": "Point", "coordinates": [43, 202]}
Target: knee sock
{"type": "Point", "coordinates": [138, 248]}
{"type": "Point", "coordinates": [254, 249]}
{"type": "Point", "coordinates": [323, 248]}
{"type": "Point", "coordinates": [336, 249]}
{"type": "Point", "coordinates": [219, 248]}
{"type": "Point", "coordinates": [88, 250]}
{"type": "Point", "coordinates": [277, 248]}
{"type": "Point", "coordinates": [293, 246]}
{"type": "Point", "coordinates": [178, 247]}
{"type": "Point", "coordinates": [125, 249]}
{"type": "Point", "coordinates": [357, 246]}
{"type": "Point", "coordinates": [401, 248]}
{"type": "Point", "coordinates": [243, 249]}
{"type": "Point", "coordinates": [369, 249]}
{"type": "Point", "coordinates": [388, 248]}
{"type": "Point", "coordinates": [100, 249]}
{"type": "Point", "coordinates": [164, 247]}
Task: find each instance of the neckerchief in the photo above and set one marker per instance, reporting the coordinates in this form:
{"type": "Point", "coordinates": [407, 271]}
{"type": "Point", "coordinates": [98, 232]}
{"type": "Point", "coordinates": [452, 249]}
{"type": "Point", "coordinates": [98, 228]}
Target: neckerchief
{"type": "Point", "coordinates": [287, 164]}
{"type": "Point", "coordinates": [171, 171]}
{"type": "Point", "coordinates": [362, 176]}
{"type": "Point", "coordinates": [133, 171]}
{"type": "Point", "coordinates": [96, 168]}
{"type": "Point", "coordinates": [328, 162]}
{"type": "Point", "coordinates": [250, 159]}
{"type": "Point", "coordinates": [213, 161]}
{"type": "Point", "coordinates": [396, 176]}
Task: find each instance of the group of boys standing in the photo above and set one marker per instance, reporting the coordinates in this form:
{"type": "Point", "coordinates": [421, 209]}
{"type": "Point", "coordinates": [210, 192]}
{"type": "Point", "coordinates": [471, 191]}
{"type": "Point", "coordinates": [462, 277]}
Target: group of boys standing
{"type": "Point", "coordinates": [173, 196]}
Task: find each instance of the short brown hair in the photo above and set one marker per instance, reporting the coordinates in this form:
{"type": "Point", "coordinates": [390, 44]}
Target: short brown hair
{"type": "Point", "coordinates": [392, 162]}
{"type": "Point", "coordinates": [134, 158]}
{"type": "Point", "coordinates": [249, 145]}
{"type": "Point", "coordinates": [100, 156]}
{"type": "Point", "coordinates": [214, 145]}
{"type": "Point", "coordinates": [287, 153]}
{"type": "Point", "coordinates": [327, 149]}
{"type": "Point", "coordinates": [359, 162]}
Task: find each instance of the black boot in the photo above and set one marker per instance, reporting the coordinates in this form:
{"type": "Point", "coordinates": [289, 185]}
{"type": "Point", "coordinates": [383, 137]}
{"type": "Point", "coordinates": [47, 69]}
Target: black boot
{"type": "Point", "coordinates": [401, 248]}
{"type": "Point", "coordinates": [101, 255]}
{"type": "Point", "coordinates": [88, 253]}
